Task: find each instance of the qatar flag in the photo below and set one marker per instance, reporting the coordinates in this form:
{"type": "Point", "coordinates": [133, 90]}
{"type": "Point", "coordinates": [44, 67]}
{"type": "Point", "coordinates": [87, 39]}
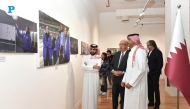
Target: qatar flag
{"type": "Point", "coordinates": [177, 67]}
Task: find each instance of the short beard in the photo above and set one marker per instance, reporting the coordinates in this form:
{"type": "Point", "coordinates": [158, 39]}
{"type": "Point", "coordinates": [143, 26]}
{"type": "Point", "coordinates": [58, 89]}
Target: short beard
{"type": "Point", "coordinates": [92, 53]}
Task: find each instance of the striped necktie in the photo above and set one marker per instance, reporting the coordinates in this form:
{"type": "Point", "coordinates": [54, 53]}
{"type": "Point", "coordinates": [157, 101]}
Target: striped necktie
{"type": "Point", "coordinates": [121, 58]}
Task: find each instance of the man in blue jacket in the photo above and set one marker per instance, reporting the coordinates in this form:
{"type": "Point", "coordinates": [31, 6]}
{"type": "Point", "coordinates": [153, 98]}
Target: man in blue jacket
{"type": "Point", "coordinates": [55, 47]}
{"type": "Point", "coordinates": [61, 36]}
{"type": "Point", "coordinates": [67, 48]}
{"type": "Point", "coordinates": [26, 38]}
{"type": "Point", "coordinates": [47, 48]}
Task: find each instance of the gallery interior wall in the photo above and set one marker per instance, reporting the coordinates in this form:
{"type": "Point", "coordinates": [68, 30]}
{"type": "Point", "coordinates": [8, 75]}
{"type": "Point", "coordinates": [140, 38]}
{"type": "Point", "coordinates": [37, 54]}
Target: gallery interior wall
{"type": "Point", "coordinates": [171, 12]}
{"type": "Point", "coordinates": [112, 31]}
{"type": "Point", "coordinates": [22, 84]}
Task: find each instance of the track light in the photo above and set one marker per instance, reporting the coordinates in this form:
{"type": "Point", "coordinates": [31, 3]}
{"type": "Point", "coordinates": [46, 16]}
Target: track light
{"type": "Point", "coordinates": [142, 14]}
{"type": "Point", "coordinates": [135, 24]}
{"type": "Point", "coordinates": [141, 26]}
{"type": "Point", "coordinates": [138, 20]}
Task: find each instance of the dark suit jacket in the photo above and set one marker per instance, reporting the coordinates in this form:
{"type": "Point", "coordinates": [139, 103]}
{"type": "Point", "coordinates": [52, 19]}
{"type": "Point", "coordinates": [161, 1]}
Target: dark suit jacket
{"type": "Point", "coordinates": [122, 67]}
{"type": "Point", "coordinates": [155, 62]}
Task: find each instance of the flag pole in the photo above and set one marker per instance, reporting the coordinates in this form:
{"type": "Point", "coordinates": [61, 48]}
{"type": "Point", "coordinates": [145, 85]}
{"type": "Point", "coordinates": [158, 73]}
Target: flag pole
{"type": "Point", "coordinates": [178, 6]}
{"type": "Point", "coordinates": [177, 99]}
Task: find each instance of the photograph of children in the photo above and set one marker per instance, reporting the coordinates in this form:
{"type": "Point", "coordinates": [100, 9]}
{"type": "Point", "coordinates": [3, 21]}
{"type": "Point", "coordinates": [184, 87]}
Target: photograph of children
{"type": "Point", "coordinates": [74, 45]}
{"type": "Point", "coordinates": [113, 50]}
{"type": "Point", "coordinates": [85, 48]}
{"type": "Point", "coordinates": [17, 35]}
{"type": "Point", "coordinates": [54, 41]}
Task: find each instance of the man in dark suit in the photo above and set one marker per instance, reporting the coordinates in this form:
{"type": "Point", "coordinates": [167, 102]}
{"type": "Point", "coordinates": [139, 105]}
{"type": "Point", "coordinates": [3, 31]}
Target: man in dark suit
{"type": "Point", "coordinates": [118, 68]}
{"type": "Point", "coordinates": [155, 63]}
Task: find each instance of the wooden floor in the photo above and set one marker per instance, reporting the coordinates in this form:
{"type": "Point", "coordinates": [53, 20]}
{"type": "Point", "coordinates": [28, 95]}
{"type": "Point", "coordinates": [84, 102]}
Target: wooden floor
{"type": "Point", "coordinates": [167, 102]}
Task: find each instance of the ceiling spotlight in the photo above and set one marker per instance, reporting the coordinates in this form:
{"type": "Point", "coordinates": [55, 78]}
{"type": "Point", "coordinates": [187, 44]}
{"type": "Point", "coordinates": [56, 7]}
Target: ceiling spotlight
{"type": "Point", "coordinates": [135, 24]}
{"type": "Point", "coordinates": [141, 26]}
{"type": "Point", "coordinates": [138, 20]}
{"type": "Point", "coordinates": [142, 14]}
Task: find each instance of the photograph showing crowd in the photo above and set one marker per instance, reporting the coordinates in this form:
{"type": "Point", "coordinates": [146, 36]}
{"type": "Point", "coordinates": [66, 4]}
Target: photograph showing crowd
{"type": "Point", "coordinates": [74, 45]}
{"type": "Point", "coordinates": [54, 41]}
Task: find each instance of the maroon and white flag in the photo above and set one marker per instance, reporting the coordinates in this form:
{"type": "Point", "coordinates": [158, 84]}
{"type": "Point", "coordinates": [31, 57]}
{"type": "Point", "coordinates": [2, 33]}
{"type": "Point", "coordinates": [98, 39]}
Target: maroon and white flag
{"type": "Point", "coordinates": [177, 67]}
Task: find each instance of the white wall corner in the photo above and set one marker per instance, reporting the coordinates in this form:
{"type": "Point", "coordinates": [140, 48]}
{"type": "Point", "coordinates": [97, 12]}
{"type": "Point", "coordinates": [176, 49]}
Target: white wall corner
{"type": "Point", "coordinates": [172, 91]}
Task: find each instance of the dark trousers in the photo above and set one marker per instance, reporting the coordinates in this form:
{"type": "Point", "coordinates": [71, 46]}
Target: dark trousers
{"type": "Point", "coordinates": [54, 57]}
{"type": "Point", "coordinates": [116, 90]}
{"type": "Point", "coordinates": [26, 51]}
{"type": "Point", "coordinates": [47, 61]}
{"type": "Point", "coordinates": [104, 87]}
{"type": "Point", "coordinates": [66, 59]}
{"type": "Point", "coordinates": [61, 60]}
{"type": "Point", "coordinates": [153, 87]}
{"type": "Point", "coordinates": [110, 75]}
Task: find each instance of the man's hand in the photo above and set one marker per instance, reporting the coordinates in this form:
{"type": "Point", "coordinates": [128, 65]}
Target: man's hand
{"type": "Point", "coordinates": [120, 73]}
{"type": "Point", "coordinates": [128, 86]}
{"type": "Point", "coordinates": [85, 63]}
{"type": "Point", "coordinates": [115, 73]}
{"type": "Point", "coordinates": [16, 25]}
{"type": "Point", "coordinates": [122, 84]}
{"type": "Point", "coordinates": [96, 67]}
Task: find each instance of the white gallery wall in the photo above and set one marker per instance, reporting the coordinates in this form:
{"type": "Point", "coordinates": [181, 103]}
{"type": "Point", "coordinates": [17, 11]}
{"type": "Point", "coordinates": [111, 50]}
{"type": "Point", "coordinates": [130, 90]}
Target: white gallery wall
{"type": "Point", "coordinates": [171, 12]}
{"type": "Point", "coordinates": [22, 84]}
{"type": "Point", "coordinates": [112, 31]}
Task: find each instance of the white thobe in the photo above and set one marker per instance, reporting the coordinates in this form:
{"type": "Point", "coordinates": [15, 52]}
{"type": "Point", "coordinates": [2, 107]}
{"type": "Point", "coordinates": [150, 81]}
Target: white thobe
{"type": "Point", "coordinates": [136, 76]}
{"type": "Point", "coordinates": [90, 83]}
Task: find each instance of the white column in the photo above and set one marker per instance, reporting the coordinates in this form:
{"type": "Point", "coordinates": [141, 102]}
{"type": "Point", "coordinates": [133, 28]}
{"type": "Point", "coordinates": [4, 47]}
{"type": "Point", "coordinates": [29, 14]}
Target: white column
{"type": "Point", "coordinates": [170, 17]}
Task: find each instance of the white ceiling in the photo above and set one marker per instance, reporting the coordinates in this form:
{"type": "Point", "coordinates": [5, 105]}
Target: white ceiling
{"type": "Point", "coordinates": [126, 4]}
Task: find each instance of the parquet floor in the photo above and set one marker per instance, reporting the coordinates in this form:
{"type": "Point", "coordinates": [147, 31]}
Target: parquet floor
{"type": "Point", "coordinates": [167, 102]}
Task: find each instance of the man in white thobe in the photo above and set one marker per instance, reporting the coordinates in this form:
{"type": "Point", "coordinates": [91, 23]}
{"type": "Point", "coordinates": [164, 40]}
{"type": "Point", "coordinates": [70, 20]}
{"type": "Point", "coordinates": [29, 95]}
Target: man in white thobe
{"type": "Point", "coordinates": [91, 64]}
{"type": "Point", "coordinates": [135, 78]}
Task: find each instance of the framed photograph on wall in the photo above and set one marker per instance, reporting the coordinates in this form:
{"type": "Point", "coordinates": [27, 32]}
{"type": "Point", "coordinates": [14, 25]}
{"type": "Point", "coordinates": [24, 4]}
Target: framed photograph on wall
{"type": "Point", "coordinates": [74, 45]}
{"type": "Point", "coordinates": [113, 50]}
{"type": "Point", "coordinates": [54, 41]}
{"type": "Point", "coordinates": [85, 48]}
{"type": "Point", "coordinates": [17, 34]}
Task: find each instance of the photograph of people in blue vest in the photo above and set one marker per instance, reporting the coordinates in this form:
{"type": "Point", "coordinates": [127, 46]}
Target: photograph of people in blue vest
{"type": "Point", "coordinates": [54, 41]}
{"type": "Point", "coordinates": [74, 45]}
{"type": "Point", "coordinates": [17, 34]}
{"type": "Point", "coordinates": [85, 48]}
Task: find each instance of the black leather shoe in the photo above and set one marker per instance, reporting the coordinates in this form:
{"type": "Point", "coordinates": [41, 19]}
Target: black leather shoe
{"type": "Point", "coordinates": [150, 105]}
{"type": "Point", "coordinates": [156, 107]}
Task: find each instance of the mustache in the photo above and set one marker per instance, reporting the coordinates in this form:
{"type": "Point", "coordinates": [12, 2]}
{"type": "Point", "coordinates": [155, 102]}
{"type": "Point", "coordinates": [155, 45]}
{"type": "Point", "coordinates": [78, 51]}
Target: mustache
{"type": "Point", "coordinates": [92, 53]}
